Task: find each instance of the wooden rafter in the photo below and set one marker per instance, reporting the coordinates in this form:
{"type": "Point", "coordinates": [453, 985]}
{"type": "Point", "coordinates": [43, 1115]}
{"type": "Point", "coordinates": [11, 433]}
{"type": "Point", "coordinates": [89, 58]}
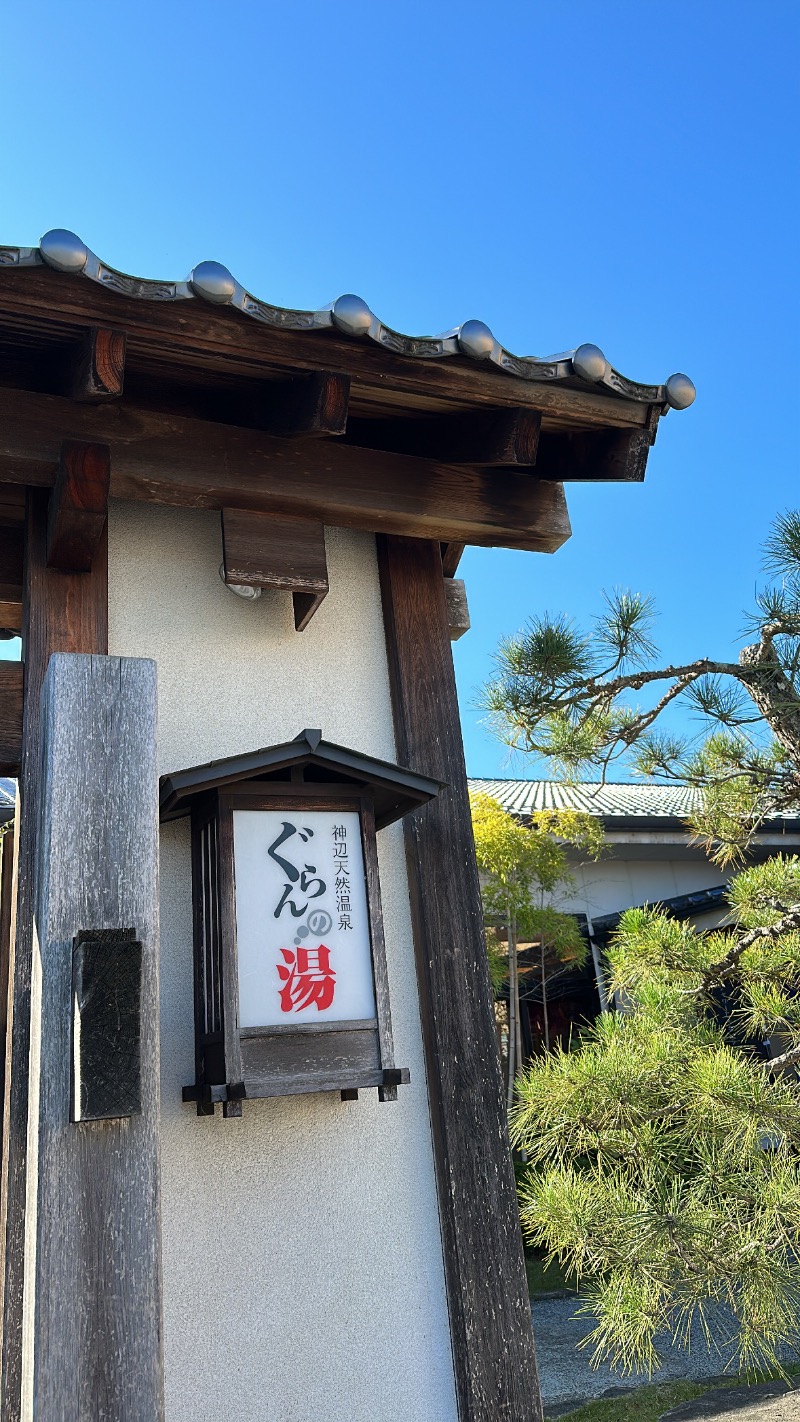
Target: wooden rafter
{"type": "Point", "coordinates": [96, 370]}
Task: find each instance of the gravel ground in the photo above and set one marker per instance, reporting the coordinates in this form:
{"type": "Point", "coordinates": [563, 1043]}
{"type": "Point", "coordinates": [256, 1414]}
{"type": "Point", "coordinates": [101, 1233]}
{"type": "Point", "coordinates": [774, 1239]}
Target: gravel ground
{"type": "Point", "coordinates": [566, 1374]}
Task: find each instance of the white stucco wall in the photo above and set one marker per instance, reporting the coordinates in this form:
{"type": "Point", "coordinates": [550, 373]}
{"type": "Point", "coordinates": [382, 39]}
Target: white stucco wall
{"type": "Point", "coordinates": [303, 1273]}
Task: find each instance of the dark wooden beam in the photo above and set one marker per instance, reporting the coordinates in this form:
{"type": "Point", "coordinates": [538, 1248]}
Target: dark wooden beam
{"type": "Point", "coordinates": [311, 405]}
{"type": "Point", "coordinates": [494, 438]}
{"type": "Point", "coordinates": [262, 550]}
{"type": "Point", "coordinates": [196, 464]}
{"type": "Point", "coordinates": [487, 1294]}
{"type": "Point", "coordinates": [97, 367]}
{"type": "Point", "coordinates": [451, 557]}
{"type": "Point", "coordinates": [65, 612]}
{"type": "Point", "coordinates": [11, 683]}
{"type": "Point", "coordinates": [594, 456]}
{"type": "Point", "coordinates": [194, 334]}
{"type": "Point", "coordinates": [78, 506]}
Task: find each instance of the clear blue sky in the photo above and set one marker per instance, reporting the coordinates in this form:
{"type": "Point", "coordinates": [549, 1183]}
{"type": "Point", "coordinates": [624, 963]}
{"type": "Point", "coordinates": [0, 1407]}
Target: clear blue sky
{"type": "Point", "coordinates": [623, 173]}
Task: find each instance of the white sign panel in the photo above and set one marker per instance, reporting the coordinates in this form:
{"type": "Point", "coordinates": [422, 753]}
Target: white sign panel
{"type": "Point", "coordinates": [302, 925]}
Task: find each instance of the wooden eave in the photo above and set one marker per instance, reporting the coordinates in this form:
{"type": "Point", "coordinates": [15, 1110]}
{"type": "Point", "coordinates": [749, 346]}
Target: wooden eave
{"type": "Point", "coordinates": [456, 450]}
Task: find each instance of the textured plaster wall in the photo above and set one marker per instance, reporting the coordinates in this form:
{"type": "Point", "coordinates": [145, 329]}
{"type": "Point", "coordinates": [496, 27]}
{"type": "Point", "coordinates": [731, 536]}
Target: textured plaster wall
{"type": "Point", "coordinates": [303, 1270]}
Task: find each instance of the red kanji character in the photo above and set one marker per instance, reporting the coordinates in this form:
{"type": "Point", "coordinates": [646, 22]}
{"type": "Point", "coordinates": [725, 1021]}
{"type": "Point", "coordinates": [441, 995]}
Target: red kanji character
{"type": "Point", "coordinates": [308, 978]}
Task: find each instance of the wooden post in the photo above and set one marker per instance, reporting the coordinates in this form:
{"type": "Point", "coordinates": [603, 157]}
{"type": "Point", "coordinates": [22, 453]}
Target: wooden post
{"type": "Point", "coordinates": [93, 1291]}
{"type": "Point", "coordinates": [66, 612]}
{"type": "Point", "coordinates": [490, 1316]}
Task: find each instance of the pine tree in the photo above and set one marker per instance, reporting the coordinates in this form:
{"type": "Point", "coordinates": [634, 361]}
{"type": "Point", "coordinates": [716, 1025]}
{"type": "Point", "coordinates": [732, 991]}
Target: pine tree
{"type": "Point", "coordinates": [570, 696]}
{"type": "Point", "coordinates": [664, 1153]}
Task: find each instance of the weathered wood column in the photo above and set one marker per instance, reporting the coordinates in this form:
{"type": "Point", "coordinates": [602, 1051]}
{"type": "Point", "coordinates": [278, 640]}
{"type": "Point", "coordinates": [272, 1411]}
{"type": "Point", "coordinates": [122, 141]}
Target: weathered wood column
{"type": "Point", "coordinates": [490, 1317]}
{"type": "Point", "coordinates": [93, 1333]}
{"type": "Point", "coordinates": [64, 612]}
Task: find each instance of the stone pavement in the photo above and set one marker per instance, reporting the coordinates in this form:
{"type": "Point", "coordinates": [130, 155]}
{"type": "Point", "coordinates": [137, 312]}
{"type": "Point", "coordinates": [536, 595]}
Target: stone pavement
{"type": "Point", "coordinates": [567, 1376]}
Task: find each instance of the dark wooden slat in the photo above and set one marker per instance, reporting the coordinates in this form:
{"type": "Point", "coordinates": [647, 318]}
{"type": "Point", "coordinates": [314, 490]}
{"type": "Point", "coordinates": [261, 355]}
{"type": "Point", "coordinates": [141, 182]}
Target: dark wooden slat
{"type": "Point", "coordinates": [11, 684]}
{"type": "Point", "coordinates": [197, 464]}
{"type": "Point", "coordinates": [490, 1318]}
{"type": "Point", "coordinates": [78, 506]}
{"type": "Point", "coordinates": [315, 404]}
{"type": "Point", "coordinates": [97, 1339]}
{"type": "Point", "coordinates": [8, 893]}
{"type": "Point", "coordinates": [194, 333]}
{"type": "Point", "coordinates": [489, 437]}
{"type": "Point", "coordinates": [451, 557]}
{"type": "Point", "coordinates": [62, 612]}
{"type": "Point", "coordinates": [616, 456]}
{"type": "Point", "coordinates": [12, 555]}
{"type": "Point", "coordinates": [97, 368]}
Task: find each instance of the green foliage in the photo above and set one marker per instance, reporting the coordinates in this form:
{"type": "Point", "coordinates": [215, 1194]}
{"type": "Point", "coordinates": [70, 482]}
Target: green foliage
{"type": "Point", "coordinates": [664, 1152]}
{"type": "Point", "coordinates": [521, 865]}
{"type": "Point", "coordinates": [574, 698]}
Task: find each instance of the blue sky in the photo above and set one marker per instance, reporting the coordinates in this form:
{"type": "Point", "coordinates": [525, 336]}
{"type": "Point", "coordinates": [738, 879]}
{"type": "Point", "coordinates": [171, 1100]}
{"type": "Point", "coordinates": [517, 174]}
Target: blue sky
{"type": "Point", "coordinates": [622, 173]}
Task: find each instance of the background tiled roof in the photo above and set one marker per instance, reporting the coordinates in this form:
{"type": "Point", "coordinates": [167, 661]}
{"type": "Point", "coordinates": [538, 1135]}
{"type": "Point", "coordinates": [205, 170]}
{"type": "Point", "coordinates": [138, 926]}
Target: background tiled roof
{"type": "Point", "coordinates": [522, 797]}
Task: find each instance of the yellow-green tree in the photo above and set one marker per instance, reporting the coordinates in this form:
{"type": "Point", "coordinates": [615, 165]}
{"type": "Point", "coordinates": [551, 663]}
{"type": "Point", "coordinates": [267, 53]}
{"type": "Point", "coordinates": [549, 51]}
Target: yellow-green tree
{"type": "Point", "coordinates": [524, 867]}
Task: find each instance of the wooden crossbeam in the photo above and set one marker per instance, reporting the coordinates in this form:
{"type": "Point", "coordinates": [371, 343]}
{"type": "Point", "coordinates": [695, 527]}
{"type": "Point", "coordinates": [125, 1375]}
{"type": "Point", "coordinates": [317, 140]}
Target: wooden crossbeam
{"type": "Point", "coordinates": [192, 463]}
{"type": "Point", "coordinates": [97, 368]}
{"type": "Point", "coordinates": [78, 506]}
{"type": "Point", "coordinates": [494, 438]}
{"type": "Point", "coordinates": [595, 456]}
{"type": "Point", "coordinates": [269, 550]}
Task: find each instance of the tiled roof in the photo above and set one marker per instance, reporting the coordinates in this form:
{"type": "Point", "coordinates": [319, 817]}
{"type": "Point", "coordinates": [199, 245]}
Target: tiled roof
{"type": "Point", "coordinates": [350, 315]}
{"type": "Point", "coordinates": [8, 792]}
{"type": "Point", "coordinates": [522, 797]}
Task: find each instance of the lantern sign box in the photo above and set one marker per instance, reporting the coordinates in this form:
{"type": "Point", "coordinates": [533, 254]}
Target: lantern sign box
{"type": "Point", "coordinates": [291, 990]}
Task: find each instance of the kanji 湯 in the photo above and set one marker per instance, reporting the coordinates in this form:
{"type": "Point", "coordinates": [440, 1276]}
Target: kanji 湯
{"type": "Point", "coordinates": [307, 978]}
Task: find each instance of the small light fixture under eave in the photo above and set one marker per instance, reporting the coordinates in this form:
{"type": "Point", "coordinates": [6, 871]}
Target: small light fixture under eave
{"type": "Point", "coordinates": [240, 589]}
{"type": "Point", "coordinates": [290, 980]}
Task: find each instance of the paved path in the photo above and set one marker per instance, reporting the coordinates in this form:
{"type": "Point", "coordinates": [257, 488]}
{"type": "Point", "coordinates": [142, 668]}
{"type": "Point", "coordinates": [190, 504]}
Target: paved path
{"type": "Point", "coordinates": [768, 1403]}
{"type": "Point", "coordinates": [566, 1373]}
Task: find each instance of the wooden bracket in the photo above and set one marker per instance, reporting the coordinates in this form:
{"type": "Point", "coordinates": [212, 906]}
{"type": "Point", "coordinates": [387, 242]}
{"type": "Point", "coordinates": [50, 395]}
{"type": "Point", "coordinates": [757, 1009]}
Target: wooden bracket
{"type": "Point", "coordinates": [261, 550]}
{"type": "Point", "coordinates": [595, 456]}
{"type": "Point", "coordinates": [98, 367]}
{"type": "Point", "coordinates": [451, 557]}
{"type": "Point", "coordinates": [311, 405]}
{"type": "Point", "coordinates": [78, 506]}
{"type": "Point", "coordinates": [505, 437]}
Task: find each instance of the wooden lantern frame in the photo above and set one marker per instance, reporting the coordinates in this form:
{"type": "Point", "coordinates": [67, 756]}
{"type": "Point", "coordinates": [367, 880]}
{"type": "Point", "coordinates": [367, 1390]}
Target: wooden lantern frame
{"type": "Point", "coordinates": [234, 1063]}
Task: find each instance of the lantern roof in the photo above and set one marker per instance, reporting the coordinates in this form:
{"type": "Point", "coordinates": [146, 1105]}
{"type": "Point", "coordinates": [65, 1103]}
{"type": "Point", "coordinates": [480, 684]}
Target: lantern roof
{"type": "Point", "coordinates": [395, 791]}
